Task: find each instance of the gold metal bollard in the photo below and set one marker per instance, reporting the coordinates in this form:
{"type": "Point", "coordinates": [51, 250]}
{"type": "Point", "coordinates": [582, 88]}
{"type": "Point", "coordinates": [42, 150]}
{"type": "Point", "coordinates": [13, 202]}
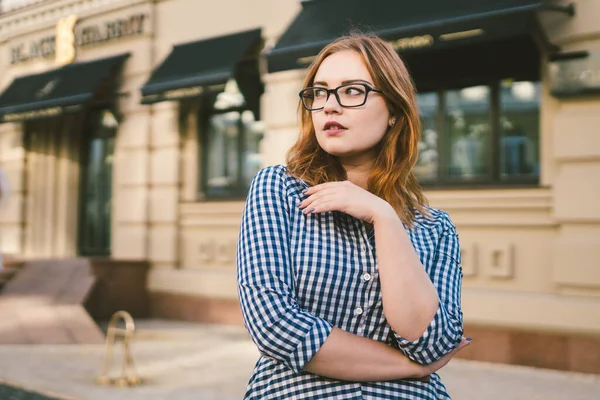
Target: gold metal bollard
{"type": "Point", "coordinates": [128, 376]}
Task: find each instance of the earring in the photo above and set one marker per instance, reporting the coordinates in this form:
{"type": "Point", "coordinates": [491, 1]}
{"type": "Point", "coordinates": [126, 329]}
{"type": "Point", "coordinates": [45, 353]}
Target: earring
{"type": "Point", "coordinates": [392, 121]}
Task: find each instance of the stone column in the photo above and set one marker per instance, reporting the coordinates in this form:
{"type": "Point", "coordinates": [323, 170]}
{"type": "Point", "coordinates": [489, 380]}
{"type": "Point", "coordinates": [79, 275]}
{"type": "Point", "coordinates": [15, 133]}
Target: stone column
{"type": "Point", "coordinates": [576, 159]}
{"type": "Point", "coordinates": [130, 187]}
{"type": "Point", "coordinates": [279, 105]}
{"type": "Point", "coordinates": [164, 185]}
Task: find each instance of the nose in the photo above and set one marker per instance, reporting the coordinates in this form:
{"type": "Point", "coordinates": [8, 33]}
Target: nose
{"type": "Point", "coordinates": [332, 105]}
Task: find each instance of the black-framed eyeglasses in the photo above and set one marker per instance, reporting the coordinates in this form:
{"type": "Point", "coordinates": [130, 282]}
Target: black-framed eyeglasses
{"type": "Point", "coordinates": [349, 95]}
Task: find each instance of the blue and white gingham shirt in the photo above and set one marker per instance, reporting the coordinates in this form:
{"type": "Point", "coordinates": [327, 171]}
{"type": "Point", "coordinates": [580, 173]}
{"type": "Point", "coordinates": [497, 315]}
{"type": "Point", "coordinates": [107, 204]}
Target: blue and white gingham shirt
{"type": "Point", "coordinates": [300, 275]}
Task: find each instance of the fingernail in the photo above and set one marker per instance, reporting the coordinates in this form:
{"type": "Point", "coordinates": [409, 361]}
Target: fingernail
{"type": "Point", "coordinates": [469, 339]}
{"type": "Point", "coordinates": [304, 191]}
{"type": "Point", "coordinates": [312, 210]}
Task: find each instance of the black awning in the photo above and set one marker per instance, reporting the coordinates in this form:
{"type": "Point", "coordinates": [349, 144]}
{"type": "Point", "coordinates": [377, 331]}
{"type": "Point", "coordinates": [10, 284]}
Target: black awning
{"type": "Point", "coordinates": [412, 27]}
{"type": "Point", "coordinates": [62, 90]}
{"type": "Point", "coordinates": [193, 67]}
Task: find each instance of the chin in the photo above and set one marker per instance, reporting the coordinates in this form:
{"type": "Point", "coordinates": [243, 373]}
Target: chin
{"type": "Point", "coordinates": [336, 149]}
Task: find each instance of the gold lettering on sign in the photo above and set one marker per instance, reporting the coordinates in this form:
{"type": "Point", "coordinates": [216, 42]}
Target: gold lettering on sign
{"type": "Point", "coordinates": [45, 112]}
{"type": "Point", "coordinates": [184, 92]}
{"type": "Point", "coordinates": [306, 60]}
{"type": "Point", "coordinates": [65, 40]}
{"type": "Point", "coordinates": [462, 35]}
{"type": "Point", "coordinates": [213, 252]}
{"type": "Point", "coordinates": [415, 42]}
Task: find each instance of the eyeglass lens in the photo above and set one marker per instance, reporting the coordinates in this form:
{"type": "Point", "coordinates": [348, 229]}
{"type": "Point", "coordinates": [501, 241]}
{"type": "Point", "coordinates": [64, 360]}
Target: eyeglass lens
{"type": "Point", "coordinates": [348, 96]}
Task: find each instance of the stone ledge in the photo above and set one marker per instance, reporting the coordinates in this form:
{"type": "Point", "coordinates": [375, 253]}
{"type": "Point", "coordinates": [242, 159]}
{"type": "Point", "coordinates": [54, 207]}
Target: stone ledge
{"type": "Point", "coordinates": [568, 352]}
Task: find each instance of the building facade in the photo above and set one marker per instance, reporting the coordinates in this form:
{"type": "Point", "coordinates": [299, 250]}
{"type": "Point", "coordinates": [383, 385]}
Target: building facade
{"type": "Point", "coordinates": [131, 130]}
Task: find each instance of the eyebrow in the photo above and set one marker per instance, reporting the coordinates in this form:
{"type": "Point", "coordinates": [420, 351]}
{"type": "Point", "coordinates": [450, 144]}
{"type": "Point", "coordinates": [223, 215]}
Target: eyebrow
{"type": "Point", "coordinates": [322, 83]}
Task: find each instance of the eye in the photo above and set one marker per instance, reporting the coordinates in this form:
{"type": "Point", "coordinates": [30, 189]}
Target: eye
{"type": "Point", "coordinates": [318, 92]}
{"type": "Point", "coordinates": [354, 90]}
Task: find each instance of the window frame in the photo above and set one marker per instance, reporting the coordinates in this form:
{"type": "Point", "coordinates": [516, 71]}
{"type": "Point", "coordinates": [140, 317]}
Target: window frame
{"type": "Point", "coordinates": [205, 113]}
{"type": "Point", "coordinates": [492, 179]}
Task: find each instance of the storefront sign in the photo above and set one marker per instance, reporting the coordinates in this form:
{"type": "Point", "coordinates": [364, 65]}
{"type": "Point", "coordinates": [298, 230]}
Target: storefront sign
{"type": "Point", "coordinates": [41, 113]}
{"type": "Point", "coordinates": [415, 42]}
{"type": "Point", "coordinates": [406, 43]}
{"type": "Point", "coordinates": [64, 43]}
{"type": "Point", "coordinates": [575, 77]}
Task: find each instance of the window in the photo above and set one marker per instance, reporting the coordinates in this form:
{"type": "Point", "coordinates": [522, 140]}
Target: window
{"type": "Point", "coordinates": [230, 141]}
{"type": "Point", "coordinates": [485, 134]}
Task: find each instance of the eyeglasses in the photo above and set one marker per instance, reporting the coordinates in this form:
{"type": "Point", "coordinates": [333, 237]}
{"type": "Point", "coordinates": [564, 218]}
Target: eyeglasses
{"type": "Point", "coordinates": [349, 95]}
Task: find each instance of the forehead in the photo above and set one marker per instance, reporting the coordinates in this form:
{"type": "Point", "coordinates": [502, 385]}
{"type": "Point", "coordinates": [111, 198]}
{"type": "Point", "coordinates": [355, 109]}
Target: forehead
{"type": "Point", "coordinates": [342, 66]}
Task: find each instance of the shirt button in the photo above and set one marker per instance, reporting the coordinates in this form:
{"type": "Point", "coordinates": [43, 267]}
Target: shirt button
{"type": "Point", "coordinates": [363, 247]}
{"type": "Point", "coordinates": [366, 277]}
{"type": "Point", "coordinates": [358, 311]}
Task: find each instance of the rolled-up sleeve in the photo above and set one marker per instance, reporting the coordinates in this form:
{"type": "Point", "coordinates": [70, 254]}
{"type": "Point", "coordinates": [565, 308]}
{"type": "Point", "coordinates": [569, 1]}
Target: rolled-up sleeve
{"type": "Point", "coordinates": [278, 326]}
{"type": "Point", "coordinates": [445, 331]}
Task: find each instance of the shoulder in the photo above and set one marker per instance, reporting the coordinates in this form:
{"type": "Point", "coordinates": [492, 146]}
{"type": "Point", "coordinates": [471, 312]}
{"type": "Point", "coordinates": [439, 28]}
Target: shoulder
{"type": "Point", "coordinates": [435, 220]}
{"type": "Point", "coordinates": [276, 178]}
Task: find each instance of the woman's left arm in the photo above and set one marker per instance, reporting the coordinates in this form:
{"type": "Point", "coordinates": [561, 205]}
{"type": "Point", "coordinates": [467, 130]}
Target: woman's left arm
{"type": "Point", "coordinates": [422, 305]}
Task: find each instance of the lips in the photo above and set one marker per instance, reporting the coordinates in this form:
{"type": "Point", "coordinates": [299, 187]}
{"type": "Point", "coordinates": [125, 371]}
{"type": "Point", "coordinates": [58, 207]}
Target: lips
{"type": "Point", "coordinates": [333, 125]}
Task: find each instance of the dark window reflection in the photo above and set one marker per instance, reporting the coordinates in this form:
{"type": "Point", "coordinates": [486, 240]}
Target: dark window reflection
{"type": "Point", "coordinates": [231, 150]}
{"type": "Point", "coordinates": [519, 129]}
{"type": "Point", "coordinates": [468, 127]}
{"type": "Point", "coordinates": [426, 168]}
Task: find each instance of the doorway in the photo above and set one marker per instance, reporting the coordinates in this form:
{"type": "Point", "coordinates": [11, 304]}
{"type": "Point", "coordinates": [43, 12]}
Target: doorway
{"type": "Point", "coordinates": [96, 184]}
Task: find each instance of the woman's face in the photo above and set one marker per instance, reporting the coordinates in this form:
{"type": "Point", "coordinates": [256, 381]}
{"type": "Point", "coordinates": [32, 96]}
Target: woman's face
{"type": "Point", "coordinates": [349, 133]}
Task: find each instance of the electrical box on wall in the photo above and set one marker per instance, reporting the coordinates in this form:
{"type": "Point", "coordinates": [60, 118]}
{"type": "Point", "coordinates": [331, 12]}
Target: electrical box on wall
{"type": "Point", "coordinates": [499, 261]}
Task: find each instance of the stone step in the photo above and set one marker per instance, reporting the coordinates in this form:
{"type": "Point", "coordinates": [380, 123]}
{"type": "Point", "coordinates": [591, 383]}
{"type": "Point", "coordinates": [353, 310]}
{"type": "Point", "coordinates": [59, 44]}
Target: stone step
{"type": "Point", "coordinates": [43, 304]}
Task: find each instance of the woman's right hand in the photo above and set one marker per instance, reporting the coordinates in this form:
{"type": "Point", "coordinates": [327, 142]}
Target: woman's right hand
{"type": "Point", "coordinates": [426, 370]}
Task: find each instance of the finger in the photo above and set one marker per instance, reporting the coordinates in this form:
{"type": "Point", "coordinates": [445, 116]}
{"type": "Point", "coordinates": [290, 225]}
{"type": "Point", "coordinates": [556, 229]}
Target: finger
{"type": "Point", "coordinates": [306, 202]}
{"type": "Point", "coordinates": [319, 187]}
{"type": "Point", "coordinates": [464, 343]}
{"type": "Point", "coordinates": [320, 207]}
{"type": "Point", "coordinates": [311, 201]}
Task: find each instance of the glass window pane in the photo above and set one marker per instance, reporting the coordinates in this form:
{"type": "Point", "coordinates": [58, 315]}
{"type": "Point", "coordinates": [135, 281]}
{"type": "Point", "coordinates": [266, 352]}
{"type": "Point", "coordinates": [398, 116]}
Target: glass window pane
{"type": "Point", "coordinates": [427, 165]}
{"type": "Point", "coordinates": [222, 169]}
{"type": "Point", "coordinates": [519, 129]}
{"type": "Point", "coordinates": [468, 127]}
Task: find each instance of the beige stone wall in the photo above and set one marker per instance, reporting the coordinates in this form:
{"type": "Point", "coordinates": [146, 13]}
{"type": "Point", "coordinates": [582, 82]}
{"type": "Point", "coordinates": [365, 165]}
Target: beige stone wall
{"type": "Point", "coordinates": [132, 153]}
{"type": "Point", "coordinates": [208, 231]}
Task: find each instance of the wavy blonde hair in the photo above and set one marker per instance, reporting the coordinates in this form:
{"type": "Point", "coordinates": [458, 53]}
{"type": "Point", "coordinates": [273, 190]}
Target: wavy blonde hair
{"type": "Point", "coordinates": [392, 178]}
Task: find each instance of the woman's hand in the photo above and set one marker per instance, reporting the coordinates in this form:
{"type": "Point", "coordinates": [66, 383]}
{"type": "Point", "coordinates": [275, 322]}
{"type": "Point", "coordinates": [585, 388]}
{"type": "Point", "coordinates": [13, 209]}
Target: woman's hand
{"type": "Point", "coordinates": [426, 370]}
{"type": "Point", "coordinates": [347, 198]}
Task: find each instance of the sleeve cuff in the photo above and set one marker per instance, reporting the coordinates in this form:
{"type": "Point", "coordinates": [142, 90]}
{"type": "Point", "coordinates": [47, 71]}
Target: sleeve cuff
{"type": "Point", "coordinates": [441, 337]}
{"type": "Point", "coordinates": [310, 345]}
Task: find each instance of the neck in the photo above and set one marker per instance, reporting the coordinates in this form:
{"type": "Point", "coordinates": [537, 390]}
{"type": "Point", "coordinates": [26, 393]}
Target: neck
{"type": "Point", "coordinates": [358, 173]}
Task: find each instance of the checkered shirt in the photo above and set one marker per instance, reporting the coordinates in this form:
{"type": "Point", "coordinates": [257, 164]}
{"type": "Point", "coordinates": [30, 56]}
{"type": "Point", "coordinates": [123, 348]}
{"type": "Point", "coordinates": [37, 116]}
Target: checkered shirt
{"type": "Point", "coordinates": [300, 275]}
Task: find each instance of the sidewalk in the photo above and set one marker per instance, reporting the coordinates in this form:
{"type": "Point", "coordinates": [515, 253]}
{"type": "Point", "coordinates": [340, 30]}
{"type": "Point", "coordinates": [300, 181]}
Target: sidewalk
{"type": "Point", "coordinates": [182, 361]}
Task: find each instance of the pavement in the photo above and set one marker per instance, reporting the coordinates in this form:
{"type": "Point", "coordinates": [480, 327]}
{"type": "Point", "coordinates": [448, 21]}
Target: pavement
{"type": "Point", "coordinates": [181, 361]}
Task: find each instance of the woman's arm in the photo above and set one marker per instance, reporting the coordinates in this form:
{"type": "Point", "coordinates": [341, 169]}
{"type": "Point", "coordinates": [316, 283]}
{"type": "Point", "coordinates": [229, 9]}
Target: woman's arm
{"type": "Point", "coordinates": [421, 304]}
{"type": "Point", "coordinates": [278, 326]}
{"type": "Point", "coordinates": [351, 357]}
{"type": "Point", "coordinates": [354, 358]}
{"type": "Point", "coordinates": [424, 337]}
{"type": "Point", "coordinates": [410, 300]}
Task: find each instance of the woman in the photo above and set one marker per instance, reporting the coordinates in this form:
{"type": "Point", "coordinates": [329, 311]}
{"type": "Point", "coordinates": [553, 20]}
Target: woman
{"type": "Point", "coordinates": [349, 284]}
